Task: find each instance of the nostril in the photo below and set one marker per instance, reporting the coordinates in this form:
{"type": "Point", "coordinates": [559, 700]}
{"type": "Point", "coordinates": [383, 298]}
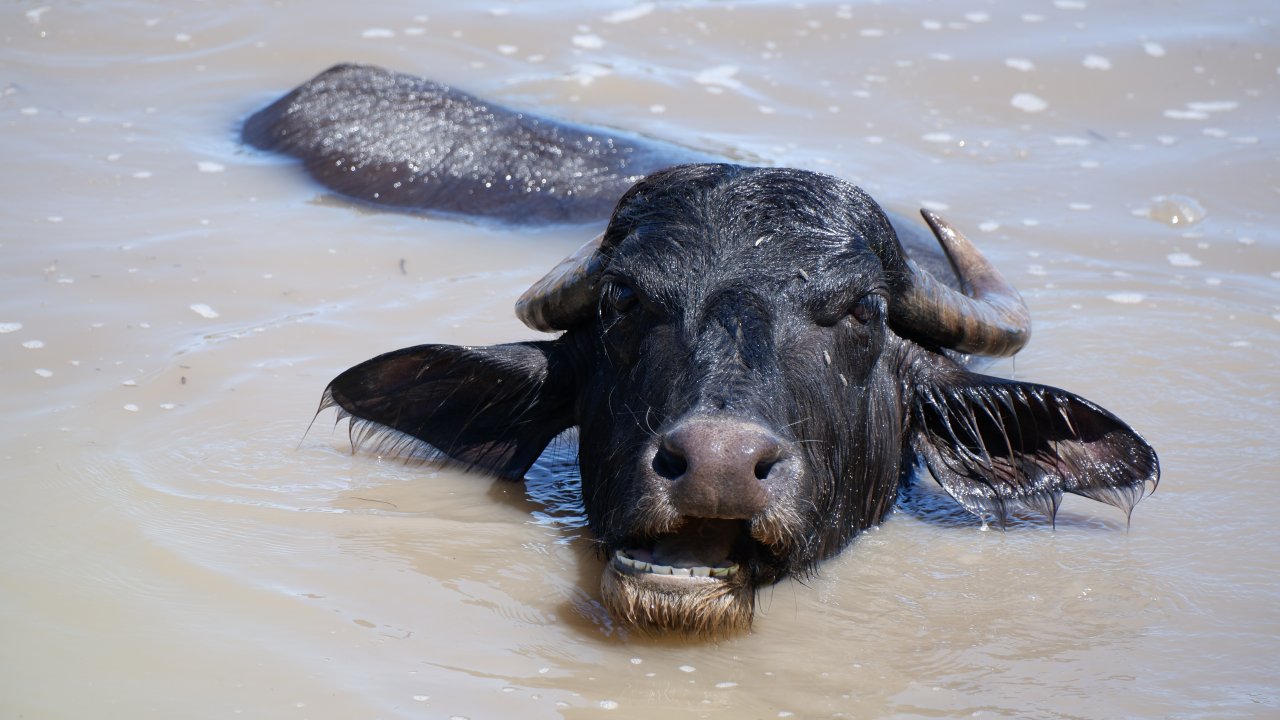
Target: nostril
{"type": "Point", "coordinates": [764, 467]}
{"type": "Point", "coordinates": [669, 463]}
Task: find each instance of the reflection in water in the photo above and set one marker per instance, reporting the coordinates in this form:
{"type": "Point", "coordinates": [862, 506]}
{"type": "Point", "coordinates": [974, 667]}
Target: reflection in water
{"type": "Point", "coordinates": [554, 483]}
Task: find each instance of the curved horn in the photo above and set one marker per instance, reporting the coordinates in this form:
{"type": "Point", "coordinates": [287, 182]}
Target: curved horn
{"type": "Point", "coordinates": [987, 318]}
{"type": "Point", "coordinates": [561, 298]}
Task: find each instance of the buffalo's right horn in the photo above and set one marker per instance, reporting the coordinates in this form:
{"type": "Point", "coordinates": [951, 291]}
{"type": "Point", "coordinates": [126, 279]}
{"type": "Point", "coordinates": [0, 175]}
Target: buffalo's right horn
{"type": "Point", "coordinates": [988, 318]}
{"type": "Point", "coordinates": [564, 296]}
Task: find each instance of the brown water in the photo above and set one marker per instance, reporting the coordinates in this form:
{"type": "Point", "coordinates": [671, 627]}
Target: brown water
{"type": "Point", "coordinates": [172, 305]}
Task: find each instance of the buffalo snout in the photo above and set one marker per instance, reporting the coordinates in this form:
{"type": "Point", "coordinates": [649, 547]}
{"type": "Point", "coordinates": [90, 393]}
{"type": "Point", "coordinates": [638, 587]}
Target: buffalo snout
{"type": "Point", "coordinates": [722, 467]}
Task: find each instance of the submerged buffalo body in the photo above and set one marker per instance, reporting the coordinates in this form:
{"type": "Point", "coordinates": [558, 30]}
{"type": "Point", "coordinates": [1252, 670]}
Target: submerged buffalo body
{"type": "Point", "coordinates": [754, 361]}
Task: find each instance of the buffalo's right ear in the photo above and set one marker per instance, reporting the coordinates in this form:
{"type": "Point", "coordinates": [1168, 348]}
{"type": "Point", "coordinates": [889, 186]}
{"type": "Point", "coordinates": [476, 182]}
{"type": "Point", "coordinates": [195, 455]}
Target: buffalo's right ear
{"type": "Point", "coordinates": [492, 408]}
{"type": "Point", "coordinates": [992, 442]}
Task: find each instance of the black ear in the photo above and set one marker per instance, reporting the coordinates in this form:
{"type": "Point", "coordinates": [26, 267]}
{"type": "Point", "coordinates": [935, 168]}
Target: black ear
{"type": "Point", "coordinates": [990, 442]}
{"type": "Point", "coordinates": [492, 408]}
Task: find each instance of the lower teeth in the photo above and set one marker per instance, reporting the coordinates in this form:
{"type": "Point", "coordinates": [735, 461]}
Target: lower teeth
{"type": "Point", "coordinates": [697, 571]}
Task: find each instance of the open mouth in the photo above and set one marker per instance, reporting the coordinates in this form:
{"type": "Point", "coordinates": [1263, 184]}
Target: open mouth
{"type": "Point", "coordinates": [700, 548]}
{"type": "Point", "coordinates": [692, 582]}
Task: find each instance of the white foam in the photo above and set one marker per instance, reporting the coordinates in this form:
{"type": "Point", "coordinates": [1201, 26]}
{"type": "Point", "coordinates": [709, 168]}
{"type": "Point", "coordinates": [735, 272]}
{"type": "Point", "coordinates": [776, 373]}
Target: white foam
{"type": "Point", "coordinates": [1127, 298]}
{"type": "Point", "coordinates": [1212, 106]}
{"type": "Point", "coordinates": [8, 327]}
{"type": "Point", "coordinates": [377, 33]}
{"type": "Point", "coordinates": [33, 344]}
{"type": "Point", "coordinates": [937, 137]}
{"type": "Point", "coordinates": [1027, 102]}
{"type": "Point", "coordinates": [1154, 49]}
{"type": "Point", "coordinates": [208, 166]}
{"type": "Point", "coordinates": [1096, 62]}
{"type": "Point", "coordinates": [1182, 260]}
{"type": "Point", "coordinates": [719, 76]}
{"type": "Point", "coordinates": [632, 13]}
{"type": "Point", "coordinates": [588, 42]}
{"type": "Point", "coordinates": [1020, 64]}
{"type": "Point", "coordinates": [204, 311]}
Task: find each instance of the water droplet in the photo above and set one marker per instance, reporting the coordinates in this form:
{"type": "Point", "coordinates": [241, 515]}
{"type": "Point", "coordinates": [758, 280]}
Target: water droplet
{"type": "Point", "coordinates": [1176, 210]}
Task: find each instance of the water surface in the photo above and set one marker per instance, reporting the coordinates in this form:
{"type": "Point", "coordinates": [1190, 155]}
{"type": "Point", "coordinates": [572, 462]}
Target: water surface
{"type": "Point", "coordinates": [172, 305]}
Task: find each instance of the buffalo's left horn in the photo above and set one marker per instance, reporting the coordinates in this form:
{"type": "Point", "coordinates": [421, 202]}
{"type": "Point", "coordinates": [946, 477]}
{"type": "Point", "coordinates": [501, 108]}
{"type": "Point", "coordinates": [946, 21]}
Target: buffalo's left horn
{"type": "Point", "coordinates": [988, 318]}
{"type": "Point", "coordinates": [563, 296]}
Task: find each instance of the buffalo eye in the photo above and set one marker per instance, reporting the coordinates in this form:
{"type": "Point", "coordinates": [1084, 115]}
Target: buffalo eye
{"type": "Point", "coordinates": [620, 298]}
{"type": "Point", "coordinates": [867, 308]}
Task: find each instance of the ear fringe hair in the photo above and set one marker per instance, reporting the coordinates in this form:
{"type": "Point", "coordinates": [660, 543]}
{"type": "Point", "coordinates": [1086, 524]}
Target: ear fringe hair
{"type": "Point", "coordinates": [997, 445]}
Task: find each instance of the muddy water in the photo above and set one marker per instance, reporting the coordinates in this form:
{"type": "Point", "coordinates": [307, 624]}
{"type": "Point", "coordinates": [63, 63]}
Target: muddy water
{"type": "Point", "coordinates": [172, 305]}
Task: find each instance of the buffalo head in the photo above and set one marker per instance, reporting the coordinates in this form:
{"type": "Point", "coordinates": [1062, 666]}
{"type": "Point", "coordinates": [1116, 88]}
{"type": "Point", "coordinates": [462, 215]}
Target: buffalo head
{"type": "Point", "coordinates": [754, 364]}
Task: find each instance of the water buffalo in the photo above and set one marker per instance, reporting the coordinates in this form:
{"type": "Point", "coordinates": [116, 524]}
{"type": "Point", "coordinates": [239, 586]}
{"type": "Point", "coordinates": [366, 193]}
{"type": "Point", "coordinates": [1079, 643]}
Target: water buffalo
{"type": "Point", "coordinates": [757, 359]}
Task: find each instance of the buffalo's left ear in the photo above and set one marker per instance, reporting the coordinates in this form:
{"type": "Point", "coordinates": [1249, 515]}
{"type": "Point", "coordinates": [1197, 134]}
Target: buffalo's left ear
{"type": "Point", "coordinates": [991, 442]}
{"type": "Point", "coordinates": [490, 408]}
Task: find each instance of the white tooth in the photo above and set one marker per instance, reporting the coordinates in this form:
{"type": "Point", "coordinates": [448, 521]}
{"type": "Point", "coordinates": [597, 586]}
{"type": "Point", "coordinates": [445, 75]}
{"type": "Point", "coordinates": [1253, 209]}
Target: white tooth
{"type": "Point", "coordinates": [686, 572]}
{"type": "Point", "coordinates": [661, 569]}
{"type": "Point", "coordinates": [701, 571]}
